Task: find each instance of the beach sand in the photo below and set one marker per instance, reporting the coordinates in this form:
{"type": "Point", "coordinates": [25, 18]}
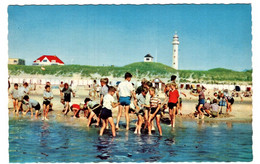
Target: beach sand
{"type": "Point", "coordinates": [241, 111]}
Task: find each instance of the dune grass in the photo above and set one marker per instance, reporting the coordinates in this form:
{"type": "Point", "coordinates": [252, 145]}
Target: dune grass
{"type": "Point", "coordinates": [139, 70]}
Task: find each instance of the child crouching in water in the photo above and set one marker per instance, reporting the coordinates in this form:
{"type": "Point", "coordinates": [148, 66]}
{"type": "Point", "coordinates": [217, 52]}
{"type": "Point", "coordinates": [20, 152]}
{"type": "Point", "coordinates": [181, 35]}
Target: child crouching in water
{"type": "Point", "coordinates": [106, 113]}
{"type": "Point", "coordinates": [155, 111]}
{"type": "Point", "coordinates": [32, 104]}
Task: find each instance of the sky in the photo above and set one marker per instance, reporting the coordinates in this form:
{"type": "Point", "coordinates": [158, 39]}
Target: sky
{"type": "Point", "coordinates": [211, 36]}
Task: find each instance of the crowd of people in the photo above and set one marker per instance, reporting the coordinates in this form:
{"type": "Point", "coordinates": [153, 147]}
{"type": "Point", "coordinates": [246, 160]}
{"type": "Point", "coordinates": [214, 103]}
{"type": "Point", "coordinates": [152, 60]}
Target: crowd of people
{"type": "Point", "coordinates": [144, 102]}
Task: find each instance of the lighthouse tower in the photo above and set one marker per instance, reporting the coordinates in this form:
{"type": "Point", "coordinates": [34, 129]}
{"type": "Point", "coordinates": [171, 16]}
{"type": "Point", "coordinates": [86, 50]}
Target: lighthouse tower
{"type": "Point", "coordinates": [175, 44]}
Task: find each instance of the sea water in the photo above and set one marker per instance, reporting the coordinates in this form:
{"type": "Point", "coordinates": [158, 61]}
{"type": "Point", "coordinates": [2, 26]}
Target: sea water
{"type": "Point", "coordinates": [198, 141]}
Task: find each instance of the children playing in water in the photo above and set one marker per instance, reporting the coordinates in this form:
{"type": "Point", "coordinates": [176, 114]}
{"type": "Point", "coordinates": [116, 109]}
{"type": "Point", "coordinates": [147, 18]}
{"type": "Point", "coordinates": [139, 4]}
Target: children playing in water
{"type": "Point", "coordinates": [31, 104]}
{"type": "Point", "coordinates": [67, 96]}
{"type": "Point", "coordinates": [15, 96]}
{"type": "Point", "coordinates": [106, 113]}
{"type": "Point", "coordinates": [47, 96]}
{"type": "Point", "coordinates": [155, 107]}
{"type": "Point", "coordinates": [172, 103]}
{"type": "Point", "coordinates": [125, 91]}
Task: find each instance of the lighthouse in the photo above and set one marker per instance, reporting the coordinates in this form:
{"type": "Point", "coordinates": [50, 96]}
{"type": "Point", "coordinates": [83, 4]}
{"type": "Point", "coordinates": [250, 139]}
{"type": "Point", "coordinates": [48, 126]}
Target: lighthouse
{"type": "Point", "coordinates": [175, 44]}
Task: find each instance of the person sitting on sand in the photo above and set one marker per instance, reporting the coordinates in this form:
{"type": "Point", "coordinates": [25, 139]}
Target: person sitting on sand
{"type": "Point", "coordinates": [47, 96]}
{"type": "Point", "coordinates": [94, 109]}
{"type": "Point", "coordinates": [207, 107]}
{"type": "Point", "coordinates": [201, 103]}
{"type": "Point", "coordinates": [125, 91]}
{"type": "Point", "coordinates": [15, 95]}
{"type": "Point", "coordinates": [67, 96]}
{"type": "Point", "coordinates": [215, 108]}
{"type": "Point", "coordinates": [23, 91]}
{"type": "Point", "coordinates": [155, 111]}
{"type": "Point", "coordinates": [139, 104]}
{"type": "Point", "coordinates": [172, 103]}
{"type": "Point", "coordinates": [106, 112]}
{"type": "Point", "coordinates": [32, 104]}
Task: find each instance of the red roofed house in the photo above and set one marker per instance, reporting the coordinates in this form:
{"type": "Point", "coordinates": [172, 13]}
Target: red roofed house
{"type": "Point", "coordinates": [48, 60]}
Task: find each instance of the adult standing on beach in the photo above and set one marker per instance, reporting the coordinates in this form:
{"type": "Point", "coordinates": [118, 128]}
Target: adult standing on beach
{"type": "Point", "coordinates": [125, 91]}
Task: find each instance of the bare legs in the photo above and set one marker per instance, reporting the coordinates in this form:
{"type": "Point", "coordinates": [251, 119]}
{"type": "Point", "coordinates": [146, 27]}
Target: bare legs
{"type": "Point", "coordinates": [139, 125]}
{"type": "Point", "coordinates": [172, 113]}
{"type": "Point", "coordinates": [111, 122]}
{"type": "Point", "coordinates": [67, 108]}
{"type": "Point", "coordinates": [15, 103]}
{"type": "Point", "coordinates": [158, 117]}
{"type": "Point", "coordinates": [120, 108]}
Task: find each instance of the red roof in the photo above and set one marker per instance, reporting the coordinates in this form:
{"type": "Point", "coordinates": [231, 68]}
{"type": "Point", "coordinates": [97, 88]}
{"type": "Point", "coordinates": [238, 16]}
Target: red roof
{"type": "Point", "coordinates": [50, 58]}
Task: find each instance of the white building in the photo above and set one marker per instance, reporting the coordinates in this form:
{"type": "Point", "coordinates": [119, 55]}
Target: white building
{"type": "Point", "coordinates": [175, 44]}
{"type": "Point", "coordinates": [48, 60]}
{"type": "Point", "coordinates": [148, 58]}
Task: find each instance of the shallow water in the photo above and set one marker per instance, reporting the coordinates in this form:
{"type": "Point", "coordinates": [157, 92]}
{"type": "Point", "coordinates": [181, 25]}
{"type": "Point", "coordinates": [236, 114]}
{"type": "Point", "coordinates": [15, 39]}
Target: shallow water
{"type": "Point", "coordinates": [38, 141]}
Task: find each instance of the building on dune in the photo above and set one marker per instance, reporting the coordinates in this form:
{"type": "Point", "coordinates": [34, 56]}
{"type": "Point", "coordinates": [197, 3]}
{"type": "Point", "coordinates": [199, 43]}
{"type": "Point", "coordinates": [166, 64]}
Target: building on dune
{"type": "Point", "coordinates": [148, 58]}
{"type": "Point", "coordinates": [48, 60]}
{"type": "Point", "coordinates": [16, 61]}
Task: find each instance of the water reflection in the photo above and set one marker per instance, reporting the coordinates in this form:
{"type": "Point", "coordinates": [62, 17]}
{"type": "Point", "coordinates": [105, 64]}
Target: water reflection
{"type": "Point", "coordinates": [104, 147]}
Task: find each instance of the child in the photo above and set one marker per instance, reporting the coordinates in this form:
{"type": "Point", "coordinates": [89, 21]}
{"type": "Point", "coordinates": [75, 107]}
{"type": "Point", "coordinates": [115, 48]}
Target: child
{"type": "Point", "coordinates": [22, 92]}
{"type": "Point", "coordinates": [75, 108]}
{"type": "Point", "coordinates": [172, 104]}
{"type": "Point", "coordinates": [104, 89]}
{"type": "Point", "coordinates": [125, 91]}
{"type": "Point", "coordinates": [222, 102]}
{"type": "Point", "coordinates": [32, 104]}
{"type": "Point", "coordinates": [106, 113]}
{"type": "Point", "coordinates": [94, 110]}
{"type": "Point", "coordinates": [230, 101]}
{"type": "Point", "coordinates": [155, 105]}
{"type": "Point", "coordinates": [47, 96]}
{"type": "Point", "coordinates": [215, 108]}
{"type": "Point", "coordinates": [67, 96]}
{"type": "Point", "coordinates": [201, 103]}
{"type": "Point", "coordinates": [15, 95]}
{"type": "Point", "coordinates": [139, 105]}
{"type": "Point", "coordinates": [207, 107]}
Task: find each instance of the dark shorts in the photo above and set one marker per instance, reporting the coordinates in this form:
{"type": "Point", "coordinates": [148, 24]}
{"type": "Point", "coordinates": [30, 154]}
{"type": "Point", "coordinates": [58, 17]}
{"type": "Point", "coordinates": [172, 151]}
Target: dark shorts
{"type": "Point", "coordinates": [37, 107]}
{"type": "Point", "coordinates": [231, 101]}
{"type": "Point", "coordinates": [67, 97]}
{"type": "Point", "coordinates": [154, 109]}
{"type": "Point", "coordinates": [46, 102]}
{"type": "Point", "coordinates": [105, 113]}
{"type": "Point", "coordinates": [97, 110]}
{"type": "Point", "coordinates": [201, 101]}
{"type": "Point", "coordinates": [141, 112]}
{"type": "Point", "coordinates": [125, 101]}
{"type": "Point", "coordinates": [172, 105]}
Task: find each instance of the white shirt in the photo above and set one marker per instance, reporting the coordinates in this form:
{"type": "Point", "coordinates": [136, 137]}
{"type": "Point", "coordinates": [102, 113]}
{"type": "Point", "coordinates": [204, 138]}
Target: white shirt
{"type": "Point", "coordinates": [107, 101]}
{"type": "Point", "coordinates": [23, 91]}
{"type": "Point", "coordinates": [125, 89]}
